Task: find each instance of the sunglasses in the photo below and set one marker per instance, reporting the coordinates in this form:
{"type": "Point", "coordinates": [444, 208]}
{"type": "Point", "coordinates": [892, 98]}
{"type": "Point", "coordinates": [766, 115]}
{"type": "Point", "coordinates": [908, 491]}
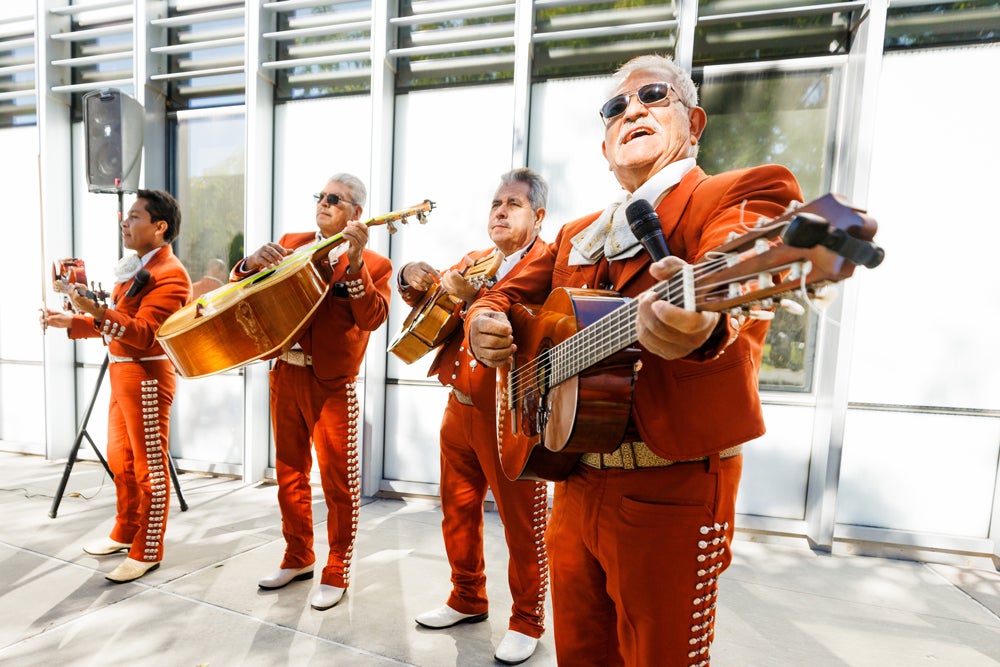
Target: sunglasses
{"type": "Point", "coordinates": [650, 94]}
{"type": "Point", "coordinates": [331, 199]}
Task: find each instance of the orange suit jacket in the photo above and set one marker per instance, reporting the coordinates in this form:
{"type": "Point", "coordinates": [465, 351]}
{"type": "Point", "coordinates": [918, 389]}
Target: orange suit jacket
{"type": "Point", "coordinates": [706, 402]}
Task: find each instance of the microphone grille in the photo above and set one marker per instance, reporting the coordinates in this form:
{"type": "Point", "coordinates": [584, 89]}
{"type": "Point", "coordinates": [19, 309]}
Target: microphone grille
{"type": "Point", "coordinates": [637, 210]}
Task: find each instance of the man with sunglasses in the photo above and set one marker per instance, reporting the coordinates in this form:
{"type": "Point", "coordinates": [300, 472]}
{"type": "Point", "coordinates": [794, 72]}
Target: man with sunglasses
{"type": "Point", "coordinates": [638, 537]}
{"type": "Point", "coordinates": [470, 462]}
{"type": "Point", "coordinates": [314, 402]}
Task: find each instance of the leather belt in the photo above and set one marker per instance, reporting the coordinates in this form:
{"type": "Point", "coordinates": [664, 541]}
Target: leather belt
{"type": "Point", "coordinates": [296, 358]}
{"type": "Point", "coordinates": [634, 455]}
{"type": "Point", "coordinates": [460, 397]}
{"type": "Point", "coordinates": [115, 359]}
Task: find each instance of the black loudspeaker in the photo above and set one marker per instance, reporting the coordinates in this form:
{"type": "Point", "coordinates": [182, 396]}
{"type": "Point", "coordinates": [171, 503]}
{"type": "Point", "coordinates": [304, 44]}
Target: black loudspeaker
{"type": "Point", "coordinates": [113, 123]}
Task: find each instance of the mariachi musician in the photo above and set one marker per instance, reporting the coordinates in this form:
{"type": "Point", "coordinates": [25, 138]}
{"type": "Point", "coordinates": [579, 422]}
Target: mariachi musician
{"type": "Point", "coordinates": [151, 285]}
{"type": "Point", "coordinates": [642, 526]}
{"type": "Point", "coordinates": [469, 459]}
{"type": "Point", "coordinates": [313, 394]}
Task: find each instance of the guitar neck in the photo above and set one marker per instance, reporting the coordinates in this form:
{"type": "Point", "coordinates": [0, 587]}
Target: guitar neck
{"type": "Point", "coordinates": [804, 248]}
{"type": "Point", "coordinates": [338, 238]}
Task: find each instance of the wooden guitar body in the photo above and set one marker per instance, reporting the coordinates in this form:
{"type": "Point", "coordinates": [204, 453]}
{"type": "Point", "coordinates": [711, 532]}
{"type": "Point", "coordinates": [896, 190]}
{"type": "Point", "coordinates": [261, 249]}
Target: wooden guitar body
{"type": "Point", "coordinates": [243, 322]}
{"type": "Point", "coordinates": [542, 428]}
{"type": "Point", "coordinates": [432, 321]}
{"type": "Point", "coordinates": [259, 316]}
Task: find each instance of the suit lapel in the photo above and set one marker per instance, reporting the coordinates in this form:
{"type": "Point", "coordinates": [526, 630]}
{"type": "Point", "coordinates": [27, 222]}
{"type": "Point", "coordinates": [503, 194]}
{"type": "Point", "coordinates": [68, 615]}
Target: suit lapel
{"type": "Point", "coordinates": [669, 211]}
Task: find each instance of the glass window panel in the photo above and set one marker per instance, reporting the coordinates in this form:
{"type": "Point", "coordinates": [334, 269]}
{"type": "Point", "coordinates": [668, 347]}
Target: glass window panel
{"type": "Point", "coordinates": [24, 265]}
{"type": "Point", "coordinates": [427, 145]}
{"type": "Point", "coordinates": [470, 44]}
{"type": "Point", "coordinates": [313, 140]}
{"type": "Point", "coordinates": [412, 453]}
{"type": "Point", "coordinates": [591, 38]}
{"type": "Point", "coordinates": [783, 117]}
{"type": "Point", "coordinates": [786, 118]}
{"type": "Point", "coordinates": [206, 419]}
{"type": "Point", "coordinates": [209, 169]}
{"type": "Point", "coordinates": [910, 26]}
{"type": "Point", "coordinates": [896, 466]}
{"type": "Point", "coordinates": [339, 32]}
{"type": "Point", "coordinates": [211, 88]}
{"type": "Point", "coordinates": [565, 148]}
{"type": "Point", "coordinates": [906, 352]}
{"type": "Point", "coordinates": [776, 465]}
{"type": "Point", "coordinates": [210, 166]}
{"type": "Point", "coordinates": [17, 63]}
{"type": "Point", "coordinates": [22, 394]}
{"type": "Point", "coordinates": [727, 32]}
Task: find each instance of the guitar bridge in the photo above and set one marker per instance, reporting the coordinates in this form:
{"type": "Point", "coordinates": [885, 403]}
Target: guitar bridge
{"type": "Point", "coordinates": [542, 415]}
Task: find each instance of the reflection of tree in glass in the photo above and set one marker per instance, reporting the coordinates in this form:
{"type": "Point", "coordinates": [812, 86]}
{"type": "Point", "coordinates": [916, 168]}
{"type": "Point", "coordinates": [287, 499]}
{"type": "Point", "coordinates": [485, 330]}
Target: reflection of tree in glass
{"type": "Point", "coordinates": [770, 117]}
{"type": "Point", "coordinates": [236, 251]}
{"type": "Point", "coordinates": [213, 216]}
{"type": "Point", "coordinates": [782, 118]}
{"type": "Point", "coordinates": [788, 351]}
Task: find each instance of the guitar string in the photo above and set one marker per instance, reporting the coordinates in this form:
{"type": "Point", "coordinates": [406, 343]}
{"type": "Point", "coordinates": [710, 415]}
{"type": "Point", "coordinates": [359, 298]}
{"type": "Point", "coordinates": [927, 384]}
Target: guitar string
{"type": "Point", "coordinates": [614, 332]}
{"type": "Point", "coordinates": [553, 359]}
{"type": "Point", "coordinates": [561, 355]}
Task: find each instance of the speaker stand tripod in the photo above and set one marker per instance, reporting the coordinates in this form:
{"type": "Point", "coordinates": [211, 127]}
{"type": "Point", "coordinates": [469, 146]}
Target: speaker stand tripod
{"type": "Point", "coordinates": [82, 433]}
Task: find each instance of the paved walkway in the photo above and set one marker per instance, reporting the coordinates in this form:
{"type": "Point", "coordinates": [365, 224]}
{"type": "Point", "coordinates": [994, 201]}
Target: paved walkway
{"type": "Point", "coordinates": [779, 605]}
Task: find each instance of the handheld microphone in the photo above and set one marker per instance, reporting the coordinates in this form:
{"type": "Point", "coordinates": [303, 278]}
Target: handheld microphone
{"type": "Point", "coordinates": [645, 224]}
{"type": "Point", "coordinates": [140, 280]}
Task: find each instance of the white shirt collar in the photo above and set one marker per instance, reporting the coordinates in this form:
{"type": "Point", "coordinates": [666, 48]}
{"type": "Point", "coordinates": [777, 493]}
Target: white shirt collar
{"type": "Point", "coordinates": [610, 235]}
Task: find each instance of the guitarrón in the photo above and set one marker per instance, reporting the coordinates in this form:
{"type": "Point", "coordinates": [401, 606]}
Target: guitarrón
{"type": "Point", "coordinates": [259, 316]}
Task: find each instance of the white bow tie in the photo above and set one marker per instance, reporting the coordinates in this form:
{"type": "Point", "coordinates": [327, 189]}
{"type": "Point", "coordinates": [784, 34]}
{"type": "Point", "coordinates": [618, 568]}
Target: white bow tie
{"type": "Point", "coordinates": [128, 266]}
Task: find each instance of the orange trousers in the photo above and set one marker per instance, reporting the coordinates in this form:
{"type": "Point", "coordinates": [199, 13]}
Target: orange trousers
{"type": "Point", "coordinates": [138, 441]}
{"type": "Point", "coordinates": [470, 463]}
{"type": "Point", "coordinates": [635, 557]}
{"type": "Point", "coordinates": [309, 413]}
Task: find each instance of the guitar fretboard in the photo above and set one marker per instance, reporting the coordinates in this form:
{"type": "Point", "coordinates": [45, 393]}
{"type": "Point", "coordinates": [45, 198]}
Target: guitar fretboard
{"type": "Point", "coordinates": [615, 331]}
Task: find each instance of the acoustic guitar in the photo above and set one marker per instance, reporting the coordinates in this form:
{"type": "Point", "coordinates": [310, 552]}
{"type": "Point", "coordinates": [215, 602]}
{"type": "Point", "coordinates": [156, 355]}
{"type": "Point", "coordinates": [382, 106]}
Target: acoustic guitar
{"type": "Point", "coordinates": [261, 315]}
{"type": "Point", "coordinates": [432, 321]}
{"type": "Point", "coordinates": [568, 388]}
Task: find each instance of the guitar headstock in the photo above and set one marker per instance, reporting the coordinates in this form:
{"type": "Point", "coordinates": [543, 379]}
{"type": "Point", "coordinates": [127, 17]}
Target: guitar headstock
{"type": "Point", "coordinates": [805, 248]}
{"type": "Point", "coordinates": [419, 211]}
{"type": "Point", "coordinates": [483, 271]}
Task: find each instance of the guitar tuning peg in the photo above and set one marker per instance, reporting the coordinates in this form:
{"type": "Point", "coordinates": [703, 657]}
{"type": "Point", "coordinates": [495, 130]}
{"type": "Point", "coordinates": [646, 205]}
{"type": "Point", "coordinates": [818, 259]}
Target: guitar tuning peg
{"type": "Point", "coordinates": [392, 227]}
{"type": "Point", "coordinates": [793, 307]}
{"type": "Point", "coordinates": [758, 314]}
{"type": "Point", "coordinates": [825, 295]}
